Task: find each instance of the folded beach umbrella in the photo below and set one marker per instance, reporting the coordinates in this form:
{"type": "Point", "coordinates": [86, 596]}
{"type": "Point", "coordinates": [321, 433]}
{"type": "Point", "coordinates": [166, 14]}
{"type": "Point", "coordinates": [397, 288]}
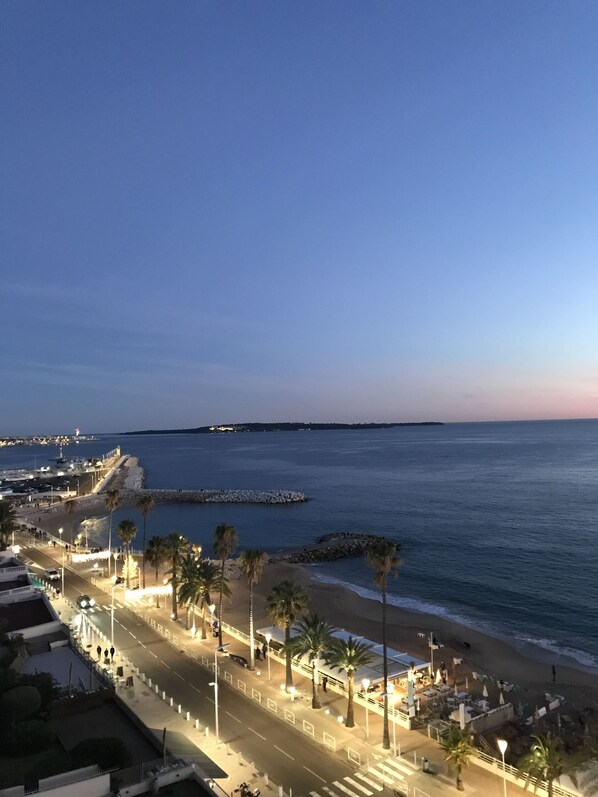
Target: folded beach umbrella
{"type": "Point", "coordinates": [466, 684]}
{"type": "Point", "coordinates": [501, 699]}
{"type": "Point", "coordinates": [485, 691]}
{"type": "Point", "coordinates": [438, 676]}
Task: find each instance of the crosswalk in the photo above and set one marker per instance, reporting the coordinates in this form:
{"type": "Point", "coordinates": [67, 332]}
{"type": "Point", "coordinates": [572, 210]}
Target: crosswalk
{"type": "Point", "coordinates": [369, 782]}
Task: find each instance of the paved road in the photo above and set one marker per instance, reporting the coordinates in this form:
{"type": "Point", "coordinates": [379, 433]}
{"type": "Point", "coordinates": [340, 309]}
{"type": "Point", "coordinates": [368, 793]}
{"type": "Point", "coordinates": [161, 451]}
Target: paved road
{"type": "Point", "coordinates": [288, 756]}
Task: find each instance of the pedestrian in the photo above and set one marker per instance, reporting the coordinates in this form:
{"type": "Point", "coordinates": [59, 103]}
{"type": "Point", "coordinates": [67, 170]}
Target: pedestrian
{"type": "Point", "coordinates": [325, 683]}
{"type": "Point", "coordinates": [553, 674]}
{"type": "Point", "coordinates": [258, 654]}
{"type": "Point", "coordinates": [106, 654]}
{"type": "Point", "coordinates": [99, 651]}
{"type": "Point", "coordinates": [112, 652]}
{"type": "Point", "coordinates": [265, 651]}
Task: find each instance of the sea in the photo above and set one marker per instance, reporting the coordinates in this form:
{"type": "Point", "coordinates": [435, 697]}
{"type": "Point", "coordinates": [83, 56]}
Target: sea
{"type": "Point", "coordinates": [497, 522]}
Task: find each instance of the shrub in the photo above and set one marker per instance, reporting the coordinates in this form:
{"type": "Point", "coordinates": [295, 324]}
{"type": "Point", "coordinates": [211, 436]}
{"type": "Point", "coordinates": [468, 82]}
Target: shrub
{"type": "Point", "coordinates": [27, 737]}
{"type": "Point", "coordinates": [20, 703]}
{"type": "Point", "coordinates": [106, 752]}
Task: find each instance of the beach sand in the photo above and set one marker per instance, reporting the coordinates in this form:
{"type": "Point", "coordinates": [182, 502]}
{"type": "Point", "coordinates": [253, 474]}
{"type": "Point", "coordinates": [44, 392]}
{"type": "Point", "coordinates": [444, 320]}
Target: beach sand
{"type": "Point", "coordinates": [362, 617]}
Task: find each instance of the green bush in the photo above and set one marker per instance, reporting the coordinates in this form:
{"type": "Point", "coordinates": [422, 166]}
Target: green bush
{"type": "Point", "coordinates": [24, 738]}
{"type": "Point", "coordinates": [106, 752]}
{"type": "Point", "coordinates": [52, 762]}
{"type": "Point", "coordinates": [20, 703]}
{"type": "Point", "coordinates": [44, 683]}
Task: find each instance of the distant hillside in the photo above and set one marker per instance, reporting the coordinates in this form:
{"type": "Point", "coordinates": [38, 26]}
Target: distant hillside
{"type": "Point", "coordinates": [230, 428]}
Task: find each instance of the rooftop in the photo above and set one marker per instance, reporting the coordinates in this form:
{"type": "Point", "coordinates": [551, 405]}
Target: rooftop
{"type": "Point", "coordinates": [25, 614]}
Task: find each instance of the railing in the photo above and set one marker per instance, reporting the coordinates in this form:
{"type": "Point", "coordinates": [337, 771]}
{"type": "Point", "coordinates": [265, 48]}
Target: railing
{"type": "Point", "coordinates": [517, 776]}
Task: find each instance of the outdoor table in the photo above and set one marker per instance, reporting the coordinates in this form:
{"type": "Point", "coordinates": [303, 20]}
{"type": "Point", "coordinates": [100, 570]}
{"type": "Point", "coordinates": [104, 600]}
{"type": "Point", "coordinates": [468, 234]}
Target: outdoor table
{"type": "Point", "coordinates": [444, 688]}
{"type": "Point", "coordinates": [430, 692]}
{"type": "Point", "coordinates": [462, 695]}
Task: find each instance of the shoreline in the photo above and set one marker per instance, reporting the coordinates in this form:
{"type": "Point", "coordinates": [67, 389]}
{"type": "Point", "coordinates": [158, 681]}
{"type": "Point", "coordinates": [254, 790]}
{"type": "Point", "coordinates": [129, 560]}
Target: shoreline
{"type": "Point", "coordinates": [515, 661]}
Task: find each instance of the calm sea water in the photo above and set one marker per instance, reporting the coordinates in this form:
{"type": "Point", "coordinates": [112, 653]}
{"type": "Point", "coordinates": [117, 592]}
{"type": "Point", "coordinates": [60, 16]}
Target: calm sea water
{"type": "Point", "coordinates": [497, 521]}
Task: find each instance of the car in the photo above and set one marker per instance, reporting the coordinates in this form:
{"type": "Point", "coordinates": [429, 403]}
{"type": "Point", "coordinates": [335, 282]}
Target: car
{"type": "Point", "coordinates": [85, 602]}
{"type": "Point", "coordinates": [52, 574]}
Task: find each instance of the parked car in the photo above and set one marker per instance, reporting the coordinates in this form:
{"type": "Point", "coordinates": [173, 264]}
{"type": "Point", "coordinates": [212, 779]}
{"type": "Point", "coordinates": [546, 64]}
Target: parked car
{"type": "Point", "coordinates": [52, 574]}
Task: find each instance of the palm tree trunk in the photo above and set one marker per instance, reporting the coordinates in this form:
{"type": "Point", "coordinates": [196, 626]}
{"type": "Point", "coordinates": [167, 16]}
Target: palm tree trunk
{"type": "Point", "coordinates": [157, 596]}
{"type": "Point", "coordinates": [460, 786]}
{"type": "Point", "coordinates": [220, 605]}
{"type": "Point", "coordinates": [289, 669]}
{"type": "Point", "coordinates": [128, 584]}
{"type": "Point", "coordinates": [315, 700]}
{"type": "Point", "coordinates": [143, 554]}
{"type": "Point", "coordinates": [204, 633]}
{"type": "Point", "coordinates": [251, 640]}
{"type": "Point", "coordinates": [110, 545]}
{"type": "Point", "coordinates": [386, 733]}
{"type": "Point", "coordinates": [175, 612]}
{"type": "Point", "coordinates": [350, 722]}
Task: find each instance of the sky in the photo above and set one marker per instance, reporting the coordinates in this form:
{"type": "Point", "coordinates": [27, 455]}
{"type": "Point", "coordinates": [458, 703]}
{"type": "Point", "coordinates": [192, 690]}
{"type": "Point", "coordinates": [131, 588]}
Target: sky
{"type": "Point", "coordinates": [341, 211]}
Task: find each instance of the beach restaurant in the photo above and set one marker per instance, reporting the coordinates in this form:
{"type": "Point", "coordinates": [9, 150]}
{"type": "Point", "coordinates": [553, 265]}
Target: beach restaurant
{"type": "Point", "coordinates": [400, 664]}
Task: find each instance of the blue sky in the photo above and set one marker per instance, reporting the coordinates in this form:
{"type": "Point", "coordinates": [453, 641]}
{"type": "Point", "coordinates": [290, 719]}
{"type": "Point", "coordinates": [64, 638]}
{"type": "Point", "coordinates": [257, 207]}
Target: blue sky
{"type": "Point", "coordinates": [340, 211]}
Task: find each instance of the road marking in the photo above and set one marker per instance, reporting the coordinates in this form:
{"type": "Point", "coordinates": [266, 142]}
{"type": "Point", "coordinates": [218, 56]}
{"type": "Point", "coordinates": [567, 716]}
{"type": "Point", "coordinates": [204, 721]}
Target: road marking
{"type": "Point", "coordinates": [325, 788]}
{"type": "Point", "coordinates": [283, 752]}
{"type": "Point", "coordinates": [256, 733]}
{"type": "Point", "coordinates": [120, 606]}
{"type": "Point", "coordinates": [134, 637]}
{"type": "Point", "coordinates": [180, 676]}
{"type": "Point", "coordinates": [210, 699]}
{"type": "Point", "coordinates": [340, 786]}
{"type": "Point", "coordinates": [124, 626]}
{"type": "Point", "coordinates": [373, 783]}
{"type": "Point", "coordinates": [358, 786]}
{"type": "Point", "coordinates": [235, 718]}
{"type": "Point", "coordinates": [315, 776]}
{"type": "Point", "coordinates": [403, 768]}
{"type": "Point", "coordinates": [152, 652]}
{"type": "Point", "coordinates": [196, 689]}
{"type": "Point", "coordinates": [166, 665]}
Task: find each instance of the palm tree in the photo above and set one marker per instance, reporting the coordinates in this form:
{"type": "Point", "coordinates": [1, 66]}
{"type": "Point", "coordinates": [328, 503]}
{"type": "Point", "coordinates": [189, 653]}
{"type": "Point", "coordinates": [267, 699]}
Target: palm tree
{"type": "Point", "coordinates": [225, 544]}
{"type": "Point", "coordinates": [127, 531]}
{"type": "Point", "coordinates": [252, 564]}
{"type": "Point", "coordinates": [145, 506]}
{"type": "Point", "coordinates": [198, 579]}
{"type": "Point", "coordinates": [284, 603]}
{"type": "Point", "coordinates": [112, 503]}
{"type": "Point", "coordinates": [381, 556]}
{"type": "Point", "coordinates": [458, 749]}
{"type": "Point", "coordinates": [314, 636]}
{"type": "Point", "coordinates": [157, 556]}
{"type": "Point", "coordinates": [70, 506]}
{"type": "Point", "coordinates": [176, 546]}
{"type": "Point", "coordinates": [547, 761]}
{"type": "Point", "coordinates": [8, 523]}
{"type": "Point", "coordinates": [349, 655]}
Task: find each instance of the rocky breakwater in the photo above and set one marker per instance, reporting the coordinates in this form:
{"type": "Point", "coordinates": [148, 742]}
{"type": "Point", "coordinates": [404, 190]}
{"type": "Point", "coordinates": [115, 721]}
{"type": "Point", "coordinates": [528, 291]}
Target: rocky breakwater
{"type": "Point", "coordinates": [329, 547]}
{"type": "Point", "coordinates": [224, 496]}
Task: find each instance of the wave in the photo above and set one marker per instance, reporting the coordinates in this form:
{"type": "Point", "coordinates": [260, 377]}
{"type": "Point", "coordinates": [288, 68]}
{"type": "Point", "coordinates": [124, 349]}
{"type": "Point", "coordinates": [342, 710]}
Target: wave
{"type": "Point", "coordinates": [536, 648]}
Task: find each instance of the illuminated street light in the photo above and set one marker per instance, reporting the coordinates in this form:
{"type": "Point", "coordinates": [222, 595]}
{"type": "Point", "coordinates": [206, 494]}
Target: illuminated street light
{"type": "Point", "coordinates": [62, 546]}
{"type": "Point", "coordinates": [268, 638]}
{"type": "Point", "coordinates": [366, 685]}
{"type": "Point", "coordinates": [502, 746]}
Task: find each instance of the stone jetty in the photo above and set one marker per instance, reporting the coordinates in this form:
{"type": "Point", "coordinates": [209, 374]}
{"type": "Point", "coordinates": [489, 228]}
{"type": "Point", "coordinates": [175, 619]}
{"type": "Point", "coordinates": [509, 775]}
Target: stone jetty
{"type": "Point", "coordinates": [223, 496]}
{"type": "Point", "coordinates": [328, 548]}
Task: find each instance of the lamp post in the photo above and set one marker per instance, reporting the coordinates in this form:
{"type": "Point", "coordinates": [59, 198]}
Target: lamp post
{"type": "Point", "coordinates": [366, 685]}
{"type": "Point", "coordinates": [62, 546]}
{"type": "Point", "coordinates": [268, 638]}
{"type": "Point", "coordinates": [391, 689]}
{"type": "Point", "coordinates": [214, 683]}
{"type": "Point", "coordinates": [502, 746]}
{"type": "Point", "coordinates": [112, 618]}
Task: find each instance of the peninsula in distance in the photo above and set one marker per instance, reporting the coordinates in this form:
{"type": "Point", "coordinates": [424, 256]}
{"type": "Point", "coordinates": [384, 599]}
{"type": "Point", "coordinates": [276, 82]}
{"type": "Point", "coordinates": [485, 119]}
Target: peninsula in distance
{"type": "Point", "coordinates": [229, 428]}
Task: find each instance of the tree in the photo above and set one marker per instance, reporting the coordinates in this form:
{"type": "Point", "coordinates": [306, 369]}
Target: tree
{"type": "Point", "coordinates": [381, 556]}
{"type": "Point", "coordinates": [458, 749]}
{"type": "Point", "coordinates": [199, 578]}
{"type": "Point", "coordinates": [129, 569]}
{"type": "Point", "coordinates": [127, 531]}
{"type": "Point", "coordinates": [547, 761]}
{"type": "Point", "coordinates": [349, 655]}
{"type": "Point", "coordinates": [314, 636]}
{"type": "Point", "coordinates": [176, 546]}
{"type": "Point", "coordinates": [285, 602]}
{"type": "Point", "coordinates": [112, 503]}
{"type": "Point", "coordinates": [8, 523]}
{"type": "Point", "coordinates": [157, 556]}
{"type": "Point", "coordinates": [252, 564]}
{"type": "Point", "coordinates": [145, 506]}
{"type": "Point", "coordinates": [225, 544]}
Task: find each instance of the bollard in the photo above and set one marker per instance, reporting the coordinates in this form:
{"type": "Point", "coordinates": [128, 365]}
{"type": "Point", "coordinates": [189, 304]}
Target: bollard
{"type": "Point", "coordinates": [188, 717]}
{"type": "Point", "coordinates": [157, 689]}
{"type": "Point", "coordinates": [163, 695]}
{"type": "Point", "coordinates": [143, 677]}
{"type": "Point", "coordinates": [196, 725]}
{"type": "Point", "coordinates": [280, 792]}
{"type": "Point", "coordinates": [171, 702]}
{"type": "Point", "coordinates": [149, 682]}
{"type": "Point", "coordinates": [179, 708]}
{"type": "Point", "coordinates": [207, 731]}
{"type": "Point", "coordinates": [266, 779]}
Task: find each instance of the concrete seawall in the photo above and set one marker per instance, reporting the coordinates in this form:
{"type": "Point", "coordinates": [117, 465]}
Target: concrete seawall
{"type": "Point", "coordinates": [330, 547]}
{"type": "Point", "coordinates": [222, 496]}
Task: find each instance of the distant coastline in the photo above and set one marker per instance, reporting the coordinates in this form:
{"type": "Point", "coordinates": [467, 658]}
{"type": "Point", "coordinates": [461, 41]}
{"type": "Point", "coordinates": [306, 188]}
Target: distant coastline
{"type": "Point", "coordinates": [231, 428]}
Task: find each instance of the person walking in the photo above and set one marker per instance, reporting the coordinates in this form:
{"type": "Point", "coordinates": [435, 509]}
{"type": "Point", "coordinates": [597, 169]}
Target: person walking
{"type": "Point", "coordinates": [106, 654]}
{"type": "Point", "coordinates": [99, 651]}
{"type": "Point", "coordinates": [325, 683]}
{"type": "Point", "coordinates": [112, 652]}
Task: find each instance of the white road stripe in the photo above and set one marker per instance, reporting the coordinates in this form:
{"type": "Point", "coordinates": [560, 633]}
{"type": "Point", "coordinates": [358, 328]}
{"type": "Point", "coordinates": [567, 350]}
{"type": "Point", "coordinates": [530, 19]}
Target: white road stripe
{"type": "Point", "coordinates": [256, 733]}
{"type": "Point", "coordinates": [315, 774]}
{"type": "Point", "coordinates": [358, 786]}
{"type": "Point", "coordinates": [166, 665]}
{"type": "Point", "coordinates": [284, 752]}
{"type": "Point", "coordinates": [196, 689]}
{"type": "Point", "coordinates": [340, 786]}
{"type": "Point", "coordinates": [402, 768]}
{"type": "Point", "coordinates": [325, 788]}
{"type": "Point", "coordinates": [373, 783]}
{"type": "Point", "coordinates": [235, 718]}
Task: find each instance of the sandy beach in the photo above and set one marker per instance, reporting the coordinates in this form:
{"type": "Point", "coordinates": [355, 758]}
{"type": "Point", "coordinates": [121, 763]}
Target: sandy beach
{"type": "Point", "coordinates": [362, 616]}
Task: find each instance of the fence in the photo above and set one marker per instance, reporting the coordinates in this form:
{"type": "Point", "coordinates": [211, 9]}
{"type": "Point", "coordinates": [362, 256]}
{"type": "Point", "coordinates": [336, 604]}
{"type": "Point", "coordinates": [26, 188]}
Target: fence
{"type": "Point", "coordinates": [514, 775]}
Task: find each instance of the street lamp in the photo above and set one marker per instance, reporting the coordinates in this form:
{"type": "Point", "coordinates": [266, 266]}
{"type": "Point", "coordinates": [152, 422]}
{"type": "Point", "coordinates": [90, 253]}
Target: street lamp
{"type": "Point", "coordinates": [366, 685]}
{"type": "Point", "coordinates": [268, 638]}
{"type": "Point", "coordinates": [62, 546]}
{"type": "Point", "coordinates": [502, 746]}
{"type": "Point", "coordinates": [112, 618]}
{"type": "Point", "coordinates": [391, 689]}
{"type": "Point", "coordinates": [214, 683]}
